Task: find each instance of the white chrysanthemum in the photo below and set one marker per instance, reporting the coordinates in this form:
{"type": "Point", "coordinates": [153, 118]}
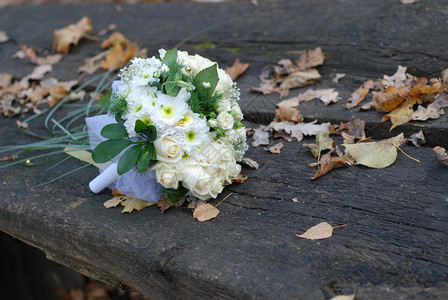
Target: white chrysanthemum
{"type": "Point", "coordinates": [139, 97]}
{"type": "Point", "coordinates": [145, 114]}
{"type": "Point", "coordinates": [171, 109]}
{"type": "Point", "coordinates": [141, 71]}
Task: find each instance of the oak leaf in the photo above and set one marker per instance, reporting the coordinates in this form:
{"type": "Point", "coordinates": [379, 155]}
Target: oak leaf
{"type": "Point", "coordinates": [375, 154]}
{"type": "Point", "coordinates": [390, 99]}
{"type": "Point", "coordinates": [432, 111]}
{"type": "Point", "coordinates": [442, 155]}
{"type": "Point", "coordinates": [71, 34]}
{"type": "Point", "coordinates": [310, 58]}
{"type": "Point", "coordinates": [131, 203]}
{"type": "Point", "coordinates": [205, 212]}
{"type": "Point", "coordinates": [318, 232]}
{"type": "Point", "coordinates": [399, 79]}
{"type": "Point", "coordinates": [237, 69]}
{"type": "Point", "coordinates": [260, 137]}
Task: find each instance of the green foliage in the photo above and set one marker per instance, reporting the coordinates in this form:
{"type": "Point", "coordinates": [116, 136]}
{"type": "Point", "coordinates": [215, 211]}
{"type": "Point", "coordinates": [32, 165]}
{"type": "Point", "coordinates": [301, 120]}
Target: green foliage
{"type": "Point", "coordinates": [173, 196]}
{"type": "Point", "coordinates": [114, 104]}
{"type": "Point", "coordinates": [145, 156]}
{"type": "Point", "coordinates": [107, 150]}
{"type": "Point", "coordinates": [114, 131]}
{"type": "Point", "coordinates": [202, 100]}
{"type": "Point", "coordinates": [128, 160]}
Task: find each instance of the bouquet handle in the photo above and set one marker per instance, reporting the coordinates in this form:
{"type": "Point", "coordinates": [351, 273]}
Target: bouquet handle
{"type": "Point", "coordinates": [103, 180]}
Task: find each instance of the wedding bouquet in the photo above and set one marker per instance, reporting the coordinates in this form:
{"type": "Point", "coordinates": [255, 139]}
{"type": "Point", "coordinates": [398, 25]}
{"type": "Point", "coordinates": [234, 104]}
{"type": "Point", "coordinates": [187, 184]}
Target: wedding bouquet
{"type": "Point", "coordinates": [173, 127]}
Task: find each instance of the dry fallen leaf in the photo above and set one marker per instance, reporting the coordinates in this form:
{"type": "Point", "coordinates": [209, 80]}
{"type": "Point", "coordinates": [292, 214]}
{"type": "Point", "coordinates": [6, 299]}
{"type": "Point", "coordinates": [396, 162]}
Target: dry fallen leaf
{"type": "Point", "coordinates": [85, 156]}
{"type": "Point", "coordinates": [118, 55]}
{"type": "Point", "coordinates": [299, 79]}
{"type": "Point", "coordinates": [357, 96]}
{"type": "Point", "coordinates": [71, 34]}
{"type": "Point", "coordinates": [408, 1]}
{"type": "Point", "coordinates": [113, 39]}
{"type": "Point", "coordinates": [432, 111]}
{"type": "Point", "coordinates": [442, 155]}
{"type": "Point", "coordinates": [399, 79]}
{"type": "Point", "coordinates": [337, 77]}
{"type": "Point", "coordinates": [260, 137]}
{"type": "Point", "coordinates": [323, 142]}
{"type": "Point", "coordinates": [3, 37]}
{"type": "Point", "coordinates": [344, 297]}
{"type": "Point", "coordinates": [297, 131]}
{"type": "Point", "coordinates": [318, 232]}
{"type": "Point", "coordinates": [284, 113]}
{"type": "Point", "coordinates": [112, 202]}
{"type": "Point", "coordinates": [5, 80]}
{"type": "Point", "coordinates": [39, 72]}
{"type": "Point", "coordinates": [400, 115]}
{"type": "Point", "coordinates": [49, 59]}
{"type": "Point", "coordinates": [310, 59]}
{"type": "Point", "coordinates": [375, 154]}
{"type": "Point", "coordinates": [390, 99]}
{"type": "Point", "coordinates": [205, 212]}
{"type": "Point", "coordinates": [250, 162]}
{"type": "Point", "coordinates": [328, 163]}
{"type": "Point", "coordinates": [417, 139]}
{"type": "Point", "coordinates": [130, 204]}
{"type": "Point", "coordinates": [276, 148]}
{"type": "Point", "coordinates": [240, 178]}
{"type": "Point", "coordinates": [445, 77]}
{"type": "Point", "coordinates": [237, 69]}
{"type": "Point", "coordinates": [93, 64]}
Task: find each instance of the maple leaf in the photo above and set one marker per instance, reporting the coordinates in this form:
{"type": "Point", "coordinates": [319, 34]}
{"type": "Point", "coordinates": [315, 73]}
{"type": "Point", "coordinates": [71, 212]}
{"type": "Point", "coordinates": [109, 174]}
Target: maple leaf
{"type": "Point", "coordinates": [130, 204]}
{"type": "Point", "coordinates": [323, 142]}
{"type": "Point", "coordinates": [237, 69]}
{"type": "Point", "coordinates": [205, 212]}
{"type": "Point", "coordinates": [71, 34]}
{"type": "Point", "coordinates": [375, 154]}
{"type": "Point", "coordinates": [442, 155]}
{"type": "Point", "coordinates": [310, 58]}
{"type": "Point", "coordinates": [318, 232]}
{"type": "Point", "coordinates": [276, 148]}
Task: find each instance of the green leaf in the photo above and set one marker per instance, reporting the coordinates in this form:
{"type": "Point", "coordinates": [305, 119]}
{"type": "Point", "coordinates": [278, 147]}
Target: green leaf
{"type": "Point", "coordinates": [128, 159]}
{"type": "Point", "coordinates": [151, 133]}
{"type": "Point", "coordinates": [147, 154]}
{"type": "Point", "coordinates": [107, 150]}
{"type": "Point", "coordinates": [114, 131]}
{"type": "Point", "coordinates": [140, 126]}
{"type": "Point", "coordinates": [156, 84]}
{"type": "Point", "coordinates": [119, 120]}
{"type": "Point", "coordinates": [208, 75]}
{"type": "Point", "coordinates": [170, 58]}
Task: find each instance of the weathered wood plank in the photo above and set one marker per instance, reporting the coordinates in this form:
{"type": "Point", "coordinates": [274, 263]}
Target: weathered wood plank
{"type": "Point", "coordinates": [394, 244]}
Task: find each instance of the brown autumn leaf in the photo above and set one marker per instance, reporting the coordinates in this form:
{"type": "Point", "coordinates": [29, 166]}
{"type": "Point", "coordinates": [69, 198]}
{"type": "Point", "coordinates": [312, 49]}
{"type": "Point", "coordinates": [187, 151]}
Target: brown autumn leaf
{"type": "Point", "coordinates": [417, 138]}
{"type": "Point", "coordinates": [49, 59]}
{"type": "Point", "coordinates": [299, 79]}
{"type": "Point", "coordinates": [38, 72]}
{"type": "Point", "coordinates": [109, 28]}
{"type": "Point", "coordinates": [445, 77]}
{"type": "Point", "coordinates": [284, 113]}
{"type": "Point", "coordinates": [163, 204]}
{"type": "Point", "coordinates": [5, 80]}
{"type": "Point", "coordinates": [390, 99]}
{"type": "Point", "coordinates": [240, 178]}
{"type": "Point", "coordinates": [237, 69]}
{"type": "Point", "coordinates": [60, 91]}
{"type": "Point", "coordinates": [328, 162]}
{"type": "Point", "coordinates": [7, 158]}
{"type": "Point", "coordinates": [356, 97]}
{"type": "Point", "coordinates": [205, 212]}
{"type": "Point", "coordinates": [356, 128]}
{"type": "Point", "coordinates": [442, 155]}
{"type": "Point", "coordinates": [28, 52]}
{"type": "Point", "coordinates": [399, 79]}
{"type": "Point", "coordinates": [375, 154]}
{"type": "Point", "coordinates": [318, 232]}
{"type": "Point", "coordinates": [93, 64]}
{"type": "Point", "coordinates": [112, 202]}
{"type": "Point", "coordinates": [276, 148]}
{"type": "Point", "coordinates": [310, 59]}
{"type": "Point", "coordinates": [113, 39]}
{"type": "Point", "coordinates": [119, 55]}
{"type": "Point", "coordinates": [130, 204]}
{"type": "Point", "coordinates": [71, 34]}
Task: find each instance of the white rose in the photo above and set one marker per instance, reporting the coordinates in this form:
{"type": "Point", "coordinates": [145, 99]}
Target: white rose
{"type": "Point", "coordinates": [168, 149]}
{"type": "Point", "coordinates": [225, 120]}
{"type": "Point", "coordinates": [224, 105]}
{"type": "Point", "coordinates": [236, 110]}
{"type": "Point", "coordinates": [232, 171]}
{"type": "Point", "coordinates": [167, 175]}
{"type": "Point", "coordinates": [197, 179]}
{"type": "Point", "coordinates": [225, 82]}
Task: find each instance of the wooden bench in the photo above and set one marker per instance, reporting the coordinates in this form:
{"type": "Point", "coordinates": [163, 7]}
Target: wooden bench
{"type": "Point", "coordinates": [395, 244]}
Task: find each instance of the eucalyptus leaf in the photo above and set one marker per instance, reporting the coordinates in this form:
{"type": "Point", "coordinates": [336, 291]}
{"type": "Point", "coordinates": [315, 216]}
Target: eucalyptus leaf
{"type": "Point", "coordinates": [128, 160]}
{"type": "Point", "coordinates": [147, 154]}
{"type": "Point", "coordinates": [119, 119]}
{"type": "Point", "coordinates": [107, 150]}
{"type": "Point", "coordinates": [114, 131]}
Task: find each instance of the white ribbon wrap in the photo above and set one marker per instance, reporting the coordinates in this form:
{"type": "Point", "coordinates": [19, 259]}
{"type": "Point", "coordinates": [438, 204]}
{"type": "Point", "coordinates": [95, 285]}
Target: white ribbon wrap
{"type": "Point", "coordinates": [134, 184]}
